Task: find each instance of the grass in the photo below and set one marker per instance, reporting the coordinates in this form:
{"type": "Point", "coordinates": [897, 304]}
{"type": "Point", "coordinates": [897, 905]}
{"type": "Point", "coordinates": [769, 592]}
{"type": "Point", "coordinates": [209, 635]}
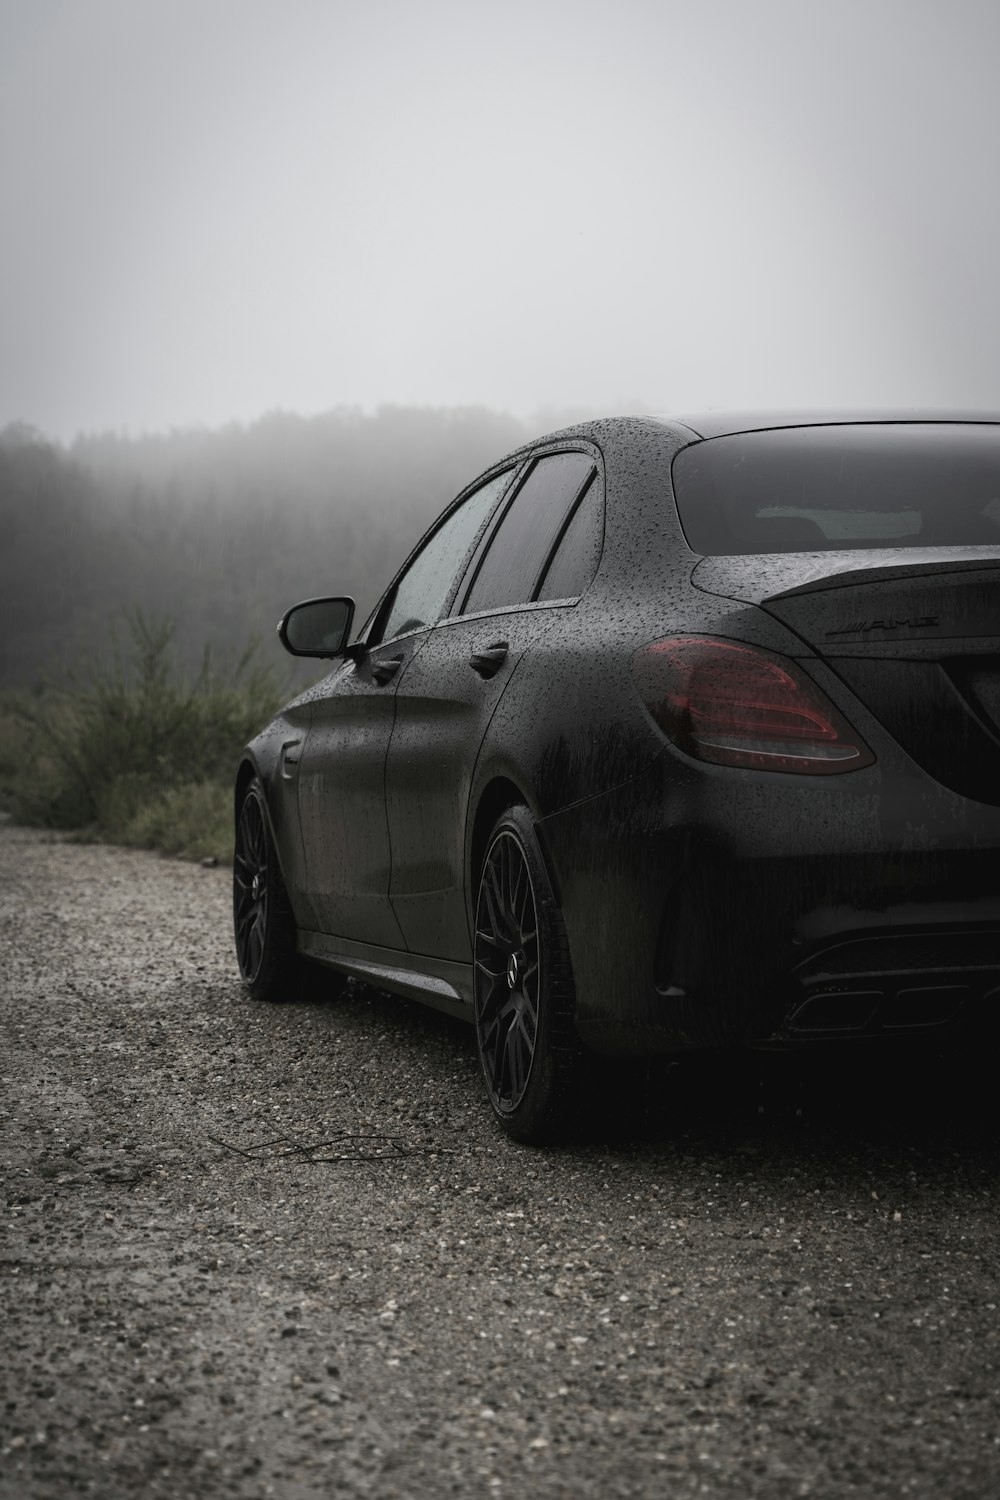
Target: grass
{"type": "Point", "coordinates": [129, 751]}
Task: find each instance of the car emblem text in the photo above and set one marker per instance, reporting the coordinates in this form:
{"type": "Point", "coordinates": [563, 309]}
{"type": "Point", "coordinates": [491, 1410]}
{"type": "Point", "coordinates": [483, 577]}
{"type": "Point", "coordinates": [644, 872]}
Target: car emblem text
{"type": "Point", "coordinates": [858, 627]}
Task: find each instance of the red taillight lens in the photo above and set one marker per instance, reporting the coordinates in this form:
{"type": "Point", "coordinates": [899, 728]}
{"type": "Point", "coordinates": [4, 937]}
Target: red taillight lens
{"type": "Point", "coordinates": [738, 706]}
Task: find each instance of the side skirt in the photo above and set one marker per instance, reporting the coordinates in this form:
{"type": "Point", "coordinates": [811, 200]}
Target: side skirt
{"type": "Point", "coordinates": [437, 982]}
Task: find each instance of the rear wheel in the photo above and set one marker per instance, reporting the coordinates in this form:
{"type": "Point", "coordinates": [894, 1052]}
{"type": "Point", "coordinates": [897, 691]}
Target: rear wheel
{"type": "Point", "coordinates": [263, 924]}
{"type": "Point", "coordinates": [523, 986]}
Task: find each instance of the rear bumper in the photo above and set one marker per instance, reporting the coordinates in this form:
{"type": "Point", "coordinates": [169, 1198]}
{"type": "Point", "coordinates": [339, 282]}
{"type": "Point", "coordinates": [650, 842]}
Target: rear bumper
{"type": "Point", "coordinates": [706, 907]}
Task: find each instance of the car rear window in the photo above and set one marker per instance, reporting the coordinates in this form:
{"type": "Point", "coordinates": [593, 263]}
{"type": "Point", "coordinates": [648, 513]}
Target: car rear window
{"type": "Point", "coordinates": [816, 489]}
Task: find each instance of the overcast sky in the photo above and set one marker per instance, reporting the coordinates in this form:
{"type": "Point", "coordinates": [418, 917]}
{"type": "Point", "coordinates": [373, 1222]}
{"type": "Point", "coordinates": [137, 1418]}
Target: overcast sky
{"type": "Point", "coordinates": [216, 208]}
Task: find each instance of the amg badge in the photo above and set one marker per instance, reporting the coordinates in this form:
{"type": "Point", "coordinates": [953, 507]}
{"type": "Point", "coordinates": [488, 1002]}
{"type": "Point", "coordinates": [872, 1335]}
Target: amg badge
{"type": "Point", "coordinates": [859, 627]}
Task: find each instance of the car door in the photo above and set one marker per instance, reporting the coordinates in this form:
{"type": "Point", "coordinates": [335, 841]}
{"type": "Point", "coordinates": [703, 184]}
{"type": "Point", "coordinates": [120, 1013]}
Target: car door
{"type": "Point", "coordinates": [450, 692]}
{"type": "Point", "coordinates": [341, 768]}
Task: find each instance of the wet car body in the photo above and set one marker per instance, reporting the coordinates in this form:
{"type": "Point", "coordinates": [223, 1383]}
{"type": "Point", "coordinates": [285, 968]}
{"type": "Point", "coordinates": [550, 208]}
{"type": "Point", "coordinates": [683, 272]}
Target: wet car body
{"type": "Point", "coordinates": [703, 903]}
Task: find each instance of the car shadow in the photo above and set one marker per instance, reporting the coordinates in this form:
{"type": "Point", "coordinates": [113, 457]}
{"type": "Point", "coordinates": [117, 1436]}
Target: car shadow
{"type": "Point", "coordinates": [824, 1106]}
{"type": "Point", "coordinates": [833, 1107]}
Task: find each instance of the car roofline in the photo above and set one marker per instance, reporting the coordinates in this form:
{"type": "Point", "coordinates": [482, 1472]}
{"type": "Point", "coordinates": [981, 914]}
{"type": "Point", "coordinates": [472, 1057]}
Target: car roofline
{"type": "Point", "coordinates": [727, 423]}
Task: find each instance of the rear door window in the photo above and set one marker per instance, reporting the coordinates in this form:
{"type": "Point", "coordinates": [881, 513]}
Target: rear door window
{"type": "Point", "coordinates": [514, 562]}
{"type": "Point", "coordinates": [575, 560]}
{"type": "Point", "coordinates": [422, 592]}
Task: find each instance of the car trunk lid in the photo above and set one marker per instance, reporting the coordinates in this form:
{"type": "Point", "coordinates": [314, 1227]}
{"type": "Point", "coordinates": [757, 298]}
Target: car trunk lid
{"type": "Point", "coordinates": [917, 641]}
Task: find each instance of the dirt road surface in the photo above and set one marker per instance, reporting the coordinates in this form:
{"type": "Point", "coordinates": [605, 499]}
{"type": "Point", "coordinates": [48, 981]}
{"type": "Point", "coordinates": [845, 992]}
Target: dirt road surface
{"type": "Point", "coordinates": [254, 1251]}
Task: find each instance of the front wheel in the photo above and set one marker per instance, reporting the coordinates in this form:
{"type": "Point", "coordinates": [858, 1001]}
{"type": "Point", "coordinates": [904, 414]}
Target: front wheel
{"type": "Point", "coordinates": [523, 986]}
{"type": "Point", "coordinates": [263, 924]}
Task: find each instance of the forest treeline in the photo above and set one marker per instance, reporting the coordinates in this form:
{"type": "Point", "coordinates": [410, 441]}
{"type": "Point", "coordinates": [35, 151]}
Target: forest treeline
{"type": "Point", "coordinates": [219, 530]}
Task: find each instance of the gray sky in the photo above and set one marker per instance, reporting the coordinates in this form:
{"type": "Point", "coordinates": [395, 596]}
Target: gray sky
{"type": "Point", "coordinates": [215, 208]}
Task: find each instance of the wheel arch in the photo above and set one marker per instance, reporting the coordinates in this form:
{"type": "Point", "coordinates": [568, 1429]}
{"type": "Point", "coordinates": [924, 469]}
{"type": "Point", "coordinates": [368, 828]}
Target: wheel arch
{"type": "Point", "coordinates": [495, 798]}
{"type": "Point", "coordinates": [500, 793]}
{"type": "Point", "coordinates": [246, 773]}
{"type": "Point", "coordinates": [249, 771]}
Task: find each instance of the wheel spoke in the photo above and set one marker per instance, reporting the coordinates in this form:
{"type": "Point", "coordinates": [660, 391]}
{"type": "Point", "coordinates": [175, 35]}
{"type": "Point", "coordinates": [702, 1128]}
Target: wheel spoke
{"type": "Point", "coordinates": [511, 864]}
{"type": "Point", "coordinates": [508, 1021]}
{"type": "Point", "coordinates": [486, 941]}
{"type": "Point", "coordinates": [503, 924]}
{"type": "Point", "coordinates": [520, 893]}
{"type": "Point", "coordinates": [490, 899]}
{"type": "Point", "coordinates": [515, 1061]}
{"type": "Point", "coordinates": [527, 1039]}
{"type": "Point", "coordinates": [493, 999]}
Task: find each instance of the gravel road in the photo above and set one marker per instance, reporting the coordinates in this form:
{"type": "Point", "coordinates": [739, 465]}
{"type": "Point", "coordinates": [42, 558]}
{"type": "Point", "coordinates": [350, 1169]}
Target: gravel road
{"type": "Point", "coordinates": [260, 1251]}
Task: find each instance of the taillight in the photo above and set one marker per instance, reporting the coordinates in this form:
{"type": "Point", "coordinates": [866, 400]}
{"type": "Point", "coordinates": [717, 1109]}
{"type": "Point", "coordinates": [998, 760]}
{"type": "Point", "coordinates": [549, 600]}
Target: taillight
{"type": "Point", "coordinates": [738, 706]}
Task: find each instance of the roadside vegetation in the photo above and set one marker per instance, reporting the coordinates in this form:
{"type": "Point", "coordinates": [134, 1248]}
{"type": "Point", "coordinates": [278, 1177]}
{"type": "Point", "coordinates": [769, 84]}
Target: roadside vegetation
{"type": "Point", "coordinates": [130, 750]}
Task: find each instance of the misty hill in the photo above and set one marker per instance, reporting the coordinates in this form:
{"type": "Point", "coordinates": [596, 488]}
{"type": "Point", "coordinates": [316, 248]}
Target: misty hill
{"type": "Point", "coordinates": [220, 529]}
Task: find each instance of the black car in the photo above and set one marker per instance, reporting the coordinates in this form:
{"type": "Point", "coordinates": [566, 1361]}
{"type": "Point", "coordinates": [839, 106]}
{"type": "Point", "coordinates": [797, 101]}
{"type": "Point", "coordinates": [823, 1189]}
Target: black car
{"type": "Point", "coordinates": [669, 734]}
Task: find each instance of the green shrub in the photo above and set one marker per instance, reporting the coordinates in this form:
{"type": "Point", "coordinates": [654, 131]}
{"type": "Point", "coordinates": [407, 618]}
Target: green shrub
{"type": "Point", "coordinates": [132, 752]}
{"type": "Point", "coordinates": [193, 819]}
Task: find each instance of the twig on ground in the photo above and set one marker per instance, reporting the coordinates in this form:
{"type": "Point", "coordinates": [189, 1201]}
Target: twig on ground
{"type": "Point", "coordinates": [386, 1147]}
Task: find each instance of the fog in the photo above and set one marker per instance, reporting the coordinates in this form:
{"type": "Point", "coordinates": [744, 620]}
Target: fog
{"type": "Point", "coordinates": [217, 530]}
{"type": "Point", "coordinates": [214, 209]}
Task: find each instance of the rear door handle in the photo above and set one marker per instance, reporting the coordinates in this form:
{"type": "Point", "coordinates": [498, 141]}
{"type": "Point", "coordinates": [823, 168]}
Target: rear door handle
{"type": "Point", "coordinates": [384, 667]}
{"type": "Point", "coordinates": [488, 662]}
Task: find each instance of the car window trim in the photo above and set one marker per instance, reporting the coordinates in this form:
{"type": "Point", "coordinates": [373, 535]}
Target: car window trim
{"type": "Point", "coordinates": [508, 609]}
{"type": "Point", "coordinates": [486, 537]}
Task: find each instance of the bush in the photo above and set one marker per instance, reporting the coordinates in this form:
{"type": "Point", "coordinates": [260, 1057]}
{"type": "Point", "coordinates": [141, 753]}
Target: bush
{"type": "Point", "coordinates": [131, 752]}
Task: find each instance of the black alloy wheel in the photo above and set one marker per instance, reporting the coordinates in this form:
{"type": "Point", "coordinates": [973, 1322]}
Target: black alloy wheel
{"type": "Point", "coordinates": [523, 985]}
{"type": "Point", "coordinates": [263, 924]}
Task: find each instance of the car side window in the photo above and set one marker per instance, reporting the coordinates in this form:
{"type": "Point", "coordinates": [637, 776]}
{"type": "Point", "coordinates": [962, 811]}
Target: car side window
{"type": "Point", "coordinates": [575, 560]}
{"type": "Point", "coordinates": [421, 593]}
{"type": "Point", "coordinates": [511, 567]}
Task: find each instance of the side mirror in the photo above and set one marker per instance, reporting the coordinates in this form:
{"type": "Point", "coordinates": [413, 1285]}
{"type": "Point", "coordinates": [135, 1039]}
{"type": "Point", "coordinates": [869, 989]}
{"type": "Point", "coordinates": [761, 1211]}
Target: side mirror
{"type": "Point", "coordinates": [318, 627]}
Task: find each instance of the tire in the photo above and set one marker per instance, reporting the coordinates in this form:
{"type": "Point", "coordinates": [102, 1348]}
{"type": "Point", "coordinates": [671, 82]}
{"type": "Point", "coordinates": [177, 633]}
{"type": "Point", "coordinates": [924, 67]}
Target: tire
{"type": "Point", "coordinates": [263, 924]}
{"type": "Point", "coordinates": [524, 998]}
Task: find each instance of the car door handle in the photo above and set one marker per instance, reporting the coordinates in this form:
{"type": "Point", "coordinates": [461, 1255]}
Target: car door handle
{"type": "Point", "coordinates": [488, 662]}
{"type": "Point", "coordinates": [385, 667]}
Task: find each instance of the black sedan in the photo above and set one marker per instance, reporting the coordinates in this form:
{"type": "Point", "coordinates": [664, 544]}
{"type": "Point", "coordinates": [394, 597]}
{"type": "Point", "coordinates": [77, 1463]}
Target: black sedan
{"type": "Point", "coordinates": [669, 734]}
